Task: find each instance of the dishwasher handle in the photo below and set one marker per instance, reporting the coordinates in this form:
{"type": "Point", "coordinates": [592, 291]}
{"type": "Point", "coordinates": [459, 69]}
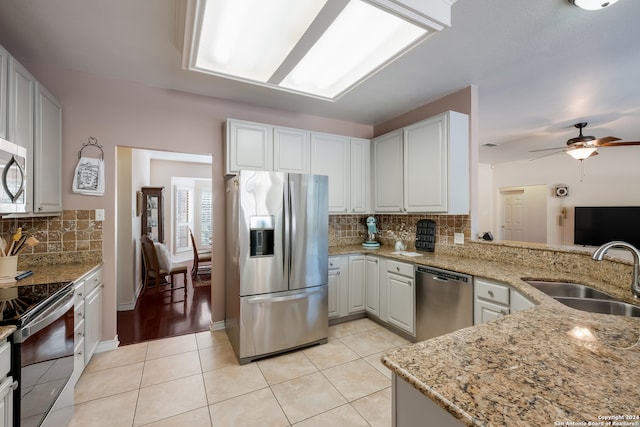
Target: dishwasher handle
{"type": "Point", "coordinates": [443, 275]}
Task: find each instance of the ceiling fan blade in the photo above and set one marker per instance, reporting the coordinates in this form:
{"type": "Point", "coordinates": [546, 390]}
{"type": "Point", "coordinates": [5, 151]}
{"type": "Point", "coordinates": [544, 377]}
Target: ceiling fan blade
{"type": "Point", "coordinates": [619, 144]}
{"type": "Point", "coordinates": [546, 149]}
{"type": "Point", "coordinates": [600, 142]}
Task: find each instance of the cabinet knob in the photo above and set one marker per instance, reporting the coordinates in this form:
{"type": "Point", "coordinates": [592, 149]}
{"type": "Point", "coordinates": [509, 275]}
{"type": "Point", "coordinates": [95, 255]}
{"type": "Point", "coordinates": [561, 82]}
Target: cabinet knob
{"type": "Point", "coordinates": [491, 294]}
{"type": "Point", "coordinates": [397, 268]}
{"type": "Point", "coordinates": [330, 264]}
{"type": "Point", "coordinates": [504, 312]}
{"type": "Point", "coordinates": [338, 273]}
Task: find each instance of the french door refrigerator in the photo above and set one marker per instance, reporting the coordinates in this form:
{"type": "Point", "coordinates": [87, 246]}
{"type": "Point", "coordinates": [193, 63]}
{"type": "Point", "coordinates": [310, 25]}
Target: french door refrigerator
{"type": "Point", "coordinates": [276, 262]}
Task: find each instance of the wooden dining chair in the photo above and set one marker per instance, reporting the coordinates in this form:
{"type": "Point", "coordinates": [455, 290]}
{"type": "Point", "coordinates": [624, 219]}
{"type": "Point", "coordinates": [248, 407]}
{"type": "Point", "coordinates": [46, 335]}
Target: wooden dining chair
{"type": "Point", "coordinates": [201, 261]}
{"type": "Point", "coordinates": [155, 275]}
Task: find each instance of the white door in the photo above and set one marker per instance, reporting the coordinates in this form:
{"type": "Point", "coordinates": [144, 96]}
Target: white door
{"type": "Point", "coordinates": [513, 215]}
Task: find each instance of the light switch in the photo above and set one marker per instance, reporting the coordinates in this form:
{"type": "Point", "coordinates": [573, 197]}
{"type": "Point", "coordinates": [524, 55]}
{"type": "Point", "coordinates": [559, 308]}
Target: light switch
{"type": "Point", "coordinates": [99, 214]}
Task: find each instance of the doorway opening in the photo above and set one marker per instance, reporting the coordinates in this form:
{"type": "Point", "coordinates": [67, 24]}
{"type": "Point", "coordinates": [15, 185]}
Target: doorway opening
{"type": "Point", "coordinates": [142, 314]}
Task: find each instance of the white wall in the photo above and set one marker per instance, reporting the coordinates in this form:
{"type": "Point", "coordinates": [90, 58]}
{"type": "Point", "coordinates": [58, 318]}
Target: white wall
{"type": "Point", "coordinates": [610, 179]}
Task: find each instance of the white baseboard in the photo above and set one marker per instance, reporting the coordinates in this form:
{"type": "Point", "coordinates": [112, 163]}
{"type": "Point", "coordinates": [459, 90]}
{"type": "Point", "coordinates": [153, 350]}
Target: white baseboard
{"type": "Point", "coordinates": [108, 345]}
{"type": "Point", "coordinates": [217, 326]}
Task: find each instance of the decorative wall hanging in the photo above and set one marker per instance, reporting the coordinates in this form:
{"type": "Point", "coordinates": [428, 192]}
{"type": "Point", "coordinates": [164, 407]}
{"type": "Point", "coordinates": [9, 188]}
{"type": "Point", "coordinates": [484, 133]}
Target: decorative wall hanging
{"type": "Point", "coordinates": [88, 178]}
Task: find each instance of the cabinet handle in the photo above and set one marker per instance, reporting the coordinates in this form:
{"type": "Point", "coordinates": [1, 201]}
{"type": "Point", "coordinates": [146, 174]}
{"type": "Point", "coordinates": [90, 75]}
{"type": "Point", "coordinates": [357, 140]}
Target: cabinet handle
{"type": "Point", "coordinates": [504, 312]}
{"type": "Point", "coordinates": [397, 268]}
{"type": "Point", "coordinates": [80, 334]}
{"type": "Point", "coordinates": [491, 294]}
{"type": "Point", "coordinates": [14, 385]}
{"type": "Point", "coordinates": [79, 294]}
{"type": "Point", "coordinates": [330, 264]}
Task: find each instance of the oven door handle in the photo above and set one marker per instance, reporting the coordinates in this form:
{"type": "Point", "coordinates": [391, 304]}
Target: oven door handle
{"type": "Point", "coordinates": [47, 317]}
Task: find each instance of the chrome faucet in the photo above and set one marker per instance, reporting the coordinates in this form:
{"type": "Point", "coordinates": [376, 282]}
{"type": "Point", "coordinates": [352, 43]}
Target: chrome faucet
{"type": "Point", "coordinates": [598, 255]}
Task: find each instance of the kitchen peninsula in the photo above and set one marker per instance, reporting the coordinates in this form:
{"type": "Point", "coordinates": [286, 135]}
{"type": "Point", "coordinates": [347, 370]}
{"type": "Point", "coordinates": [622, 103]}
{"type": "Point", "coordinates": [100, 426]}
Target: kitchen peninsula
{"type": "Point", "coordinates": [548, 365]}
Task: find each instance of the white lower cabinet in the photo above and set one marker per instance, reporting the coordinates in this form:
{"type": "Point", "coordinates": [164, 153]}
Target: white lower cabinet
{"type": "Point", "coordinates": [356, 284]}
{"type": "Point", "coordinates": [6, 386]}
{"type": "Point", "coordinates": [346, 285]}
{"type": "Point", "coordinates": [372, 284]}
{"type": "Point", "coordinates": [409, 407]}
{"type": "Point", "coordinates": [337, 284]}
{"type": "Point", "coordinates": [493, 299]}
{"type": "Point", "coordinates": [88, 319]}
{"type": "Point", "coordinates": [401, 299]}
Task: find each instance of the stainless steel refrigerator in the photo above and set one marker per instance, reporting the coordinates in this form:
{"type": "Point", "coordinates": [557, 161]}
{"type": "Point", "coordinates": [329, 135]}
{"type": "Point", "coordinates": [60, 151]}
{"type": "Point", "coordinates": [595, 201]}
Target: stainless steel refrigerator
{"type": "Point", "coordinates": [276, 262]}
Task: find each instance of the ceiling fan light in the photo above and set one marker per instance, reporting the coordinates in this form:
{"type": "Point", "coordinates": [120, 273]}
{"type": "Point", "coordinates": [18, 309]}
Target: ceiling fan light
{"type": "Point", "coordinates": [592, 4]}
{"type": "Point", "coordinates": [582, 153]}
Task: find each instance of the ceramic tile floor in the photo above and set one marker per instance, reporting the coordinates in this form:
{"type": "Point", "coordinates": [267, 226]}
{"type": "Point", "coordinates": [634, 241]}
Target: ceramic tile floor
{"type": "Point", "coordinates": [195, 380]}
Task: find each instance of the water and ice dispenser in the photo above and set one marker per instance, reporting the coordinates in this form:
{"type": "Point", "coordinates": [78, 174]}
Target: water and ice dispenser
{"type": "Point", "coordinates": [261, 232]}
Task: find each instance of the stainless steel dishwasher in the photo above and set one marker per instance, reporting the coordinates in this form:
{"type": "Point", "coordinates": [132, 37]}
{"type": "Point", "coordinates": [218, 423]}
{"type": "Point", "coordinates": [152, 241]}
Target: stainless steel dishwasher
{"type": "Point", "coordinates": [444, 302]}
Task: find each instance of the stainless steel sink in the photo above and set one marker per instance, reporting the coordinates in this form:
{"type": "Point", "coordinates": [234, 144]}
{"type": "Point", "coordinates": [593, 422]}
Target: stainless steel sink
{"type": "Point", "coordinates": [601, 306]}
{"type": "Point", "coordinates": [572, 290]}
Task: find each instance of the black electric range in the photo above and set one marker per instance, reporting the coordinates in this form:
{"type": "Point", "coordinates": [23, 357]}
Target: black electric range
{"type": "Point", "coordinates": [42, 347]}
{"type": "Point", "coordinates": [20, 303]}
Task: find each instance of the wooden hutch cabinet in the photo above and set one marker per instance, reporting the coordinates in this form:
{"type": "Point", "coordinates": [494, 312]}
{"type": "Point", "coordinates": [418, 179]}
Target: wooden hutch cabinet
{"type": "Point", "coordinates": [152, 214]}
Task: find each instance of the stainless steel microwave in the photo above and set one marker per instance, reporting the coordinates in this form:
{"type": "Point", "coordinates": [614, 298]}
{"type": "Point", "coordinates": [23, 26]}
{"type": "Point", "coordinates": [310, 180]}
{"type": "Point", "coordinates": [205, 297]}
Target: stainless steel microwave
{"type": "Point", "coordinates": [13, 178]}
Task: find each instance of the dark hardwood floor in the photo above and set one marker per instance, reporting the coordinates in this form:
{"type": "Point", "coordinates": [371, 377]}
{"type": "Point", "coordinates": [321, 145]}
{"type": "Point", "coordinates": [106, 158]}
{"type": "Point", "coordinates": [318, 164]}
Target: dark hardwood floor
{"type": "Point", "coordinates": [168, 313]}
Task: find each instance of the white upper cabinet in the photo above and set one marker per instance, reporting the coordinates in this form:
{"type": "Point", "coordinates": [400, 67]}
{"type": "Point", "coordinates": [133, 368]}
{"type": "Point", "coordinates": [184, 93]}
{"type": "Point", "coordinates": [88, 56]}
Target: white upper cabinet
{"type": "Point", "coordinates": [20, 110]}
{"type": "Point", "coordinates": [436, 164]}
{"type": "Point", "coordinates": [424, 167]}
{"type": "Point", "coordinates": [4, 70]}
{"type": "Point", "coordinates": [360, 175]}
{"type": "Point", "coordinates": [291, 150]}
{"type": "Point", "coordinates": [346, 161]}
{"type": "Point", "coordinates": [47, 153]}
{"type": "Point", "coordinates": [330, 156]}
{"type": "Point", "coordinates": [249, 146]}
{"type": "Point", "coordinates": [387, 172]}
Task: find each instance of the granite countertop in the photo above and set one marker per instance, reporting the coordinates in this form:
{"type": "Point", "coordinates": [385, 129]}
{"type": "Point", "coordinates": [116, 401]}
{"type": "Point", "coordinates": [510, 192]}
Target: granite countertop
{"type": "Point", "coordinates": [56, 273]}
{"type": "Point", "coordinates": [545, 365]}
{"type": "Point", "coordinates": [6, 331]}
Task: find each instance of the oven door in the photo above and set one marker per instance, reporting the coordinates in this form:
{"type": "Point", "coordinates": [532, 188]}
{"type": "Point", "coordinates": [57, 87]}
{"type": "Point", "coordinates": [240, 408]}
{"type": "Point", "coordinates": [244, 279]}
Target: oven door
{"type": "Point", "coordinates": [45, 348]}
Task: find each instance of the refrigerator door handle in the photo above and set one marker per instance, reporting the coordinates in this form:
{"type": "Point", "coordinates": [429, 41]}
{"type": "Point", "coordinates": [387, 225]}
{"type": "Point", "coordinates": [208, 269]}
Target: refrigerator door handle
{"type": "Point", "coordinates": [290, 297]}
{"type": "Point", "coordinates": [286, 236]}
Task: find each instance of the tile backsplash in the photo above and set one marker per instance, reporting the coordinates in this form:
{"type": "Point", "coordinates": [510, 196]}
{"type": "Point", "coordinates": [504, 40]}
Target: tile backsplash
{"type": "Point", "coordinates": [352, 229]}
{"type": "Point", "coordinates": [73, 236]}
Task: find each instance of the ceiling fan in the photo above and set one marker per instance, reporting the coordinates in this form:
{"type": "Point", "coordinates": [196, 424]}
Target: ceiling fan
{"type": "Point", "coordinates": [584, 146]}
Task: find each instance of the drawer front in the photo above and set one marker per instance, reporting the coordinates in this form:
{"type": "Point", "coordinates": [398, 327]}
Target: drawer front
{"type": "Point", "coordinates": [5, 358]}
{"type": "Point", "coordinates": [335, 262]}
{"type": "Point", "coordinates": [92, 281]}
{"type": "Point", "coordinates": [491, 291]}
{"type": "Point", "coordinates": [79, 293]}
{"type": "Point", "coordinates": [400, 268]}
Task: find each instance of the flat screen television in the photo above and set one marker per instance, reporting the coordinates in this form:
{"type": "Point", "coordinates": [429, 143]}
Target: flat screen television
{"type": "Point", "coordinates": [594, 226]}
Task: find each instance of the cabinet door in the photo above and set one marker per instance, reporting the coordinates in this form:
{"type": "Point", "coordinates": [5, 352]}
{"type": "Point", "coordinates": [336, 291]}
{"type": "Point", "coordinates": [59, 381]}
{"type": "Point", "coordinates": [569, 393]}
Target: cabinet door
{"type": "Point", "coordinates": [401, 302]}
{"type": "Point", "coordinates": [330, 156]}
{"type": "Point", "coordinates": [360, 175]}
{"type": "Point", "coordinates": [426, 165]}
{"type": "Point", "coordinates": [249, 146]}
{"type": "Point", "coordinates": [47, 153]}
{"type": "Point", "coordinates": [93, 322]}
{"type": "Point", "coordinates": [484, 311]}
{"type": "Point", "coordinates": [519, 302]}
{"type": "Point", "coordinates": [338, 286]}
{"type": "Point", "coordinates": [4, 70]}
{"type": "Point", "coordinates": [372, 281]}
{"type": "Point", "coordinates": [6, 402]}
{"type": "Point", "coordinates": [356, 284]}
{"type": "Point", "coordinates": [291, 150]}
{"type": "Point", "coordinates": [333, 285]}
{"type": "Point", "coordinates": [20, 111]}
{"type": "Point", "coordinates": [387, 170]}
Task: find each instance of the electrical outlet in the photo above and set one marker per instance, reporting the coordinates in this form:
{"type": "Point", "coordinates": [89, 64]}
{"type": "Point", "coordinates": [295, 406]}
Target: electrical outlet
{"type": "Point", "coordinates": [458, 238]}
{"type": "Point", "coordinates": [99, 214]}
